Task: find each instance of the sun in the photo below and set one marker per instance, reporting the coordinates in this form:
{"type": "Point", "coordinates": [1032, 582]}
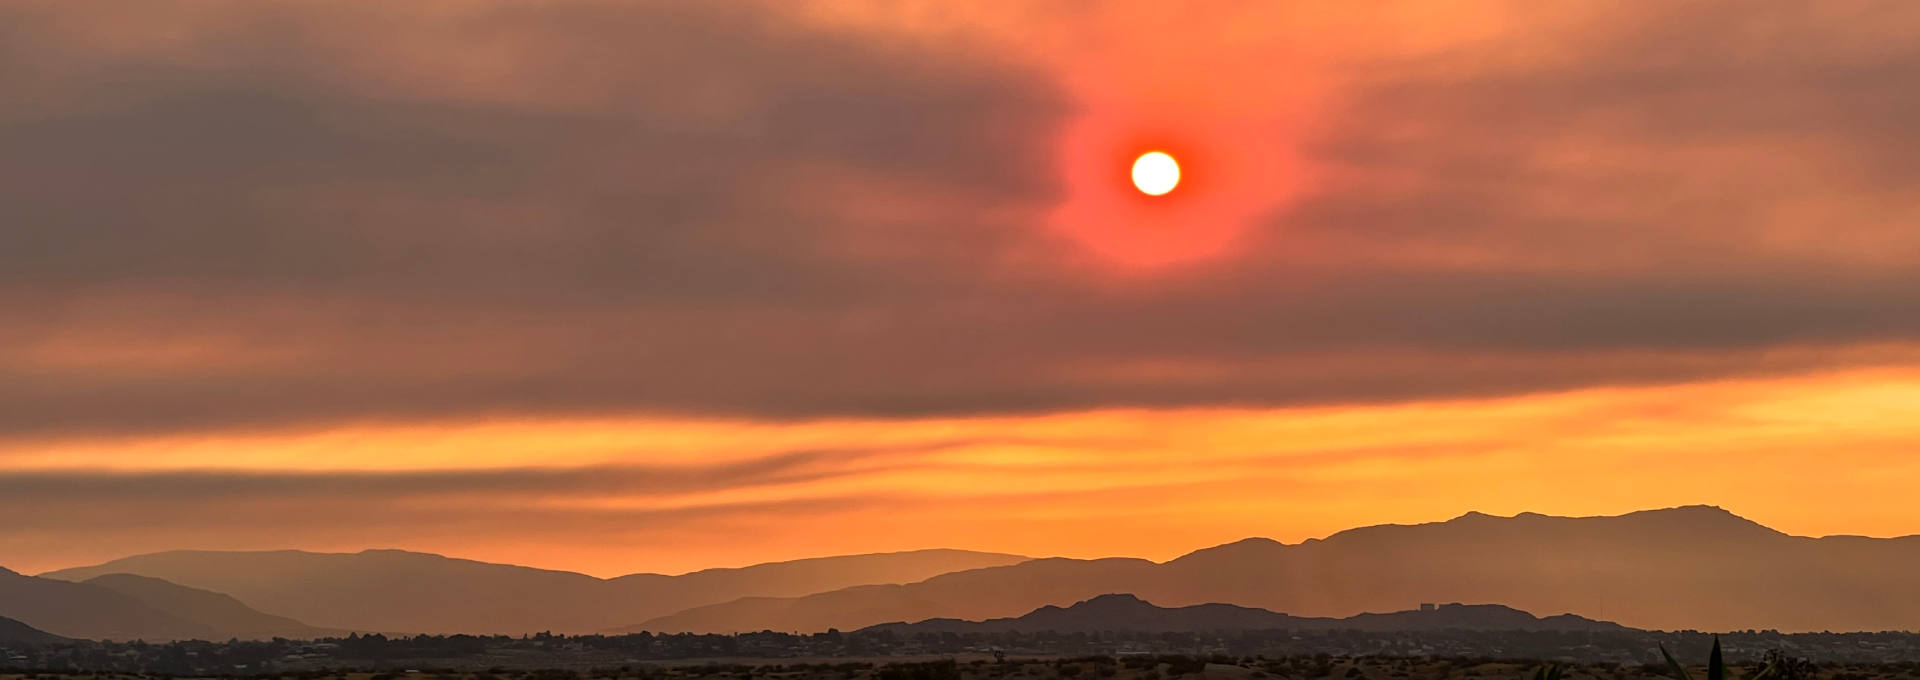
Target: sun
{"type": "Point", "coordinates": [1155, 173]}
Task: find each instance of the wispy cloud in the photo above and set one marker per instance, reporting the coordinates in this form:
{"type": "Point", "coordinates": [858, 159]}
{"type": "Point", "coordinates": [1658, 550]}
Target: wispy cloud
{"type": "Point", "coordinates": [616, 496]}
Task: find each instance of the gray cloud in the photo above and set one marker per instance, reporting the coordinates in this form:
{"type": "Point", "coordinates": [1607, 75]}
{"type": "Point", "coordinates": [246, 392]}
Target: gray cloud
{"type": "Point", "coordinates": [716, 211]}
{"type": "Point", "coordinates": [28, 489]}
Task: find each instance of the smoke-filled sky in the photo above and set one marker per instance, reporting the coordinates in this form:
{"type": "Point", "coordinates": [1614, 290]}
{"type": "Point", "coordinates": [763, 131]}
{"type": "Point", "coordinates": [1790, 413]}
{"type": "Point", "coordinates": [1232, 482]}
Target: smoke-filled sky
{"type": "Point", "coordinates": [658, 286]}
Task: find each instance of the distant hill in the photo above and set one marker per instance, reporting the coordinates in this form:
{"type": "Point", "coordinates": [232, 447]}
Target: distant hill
{"type": "Point", "coordinates": [1118, 612]}
{"type": "Point", "coordinates": [409, 592]}
{"type": "Point", "coordinates": [1121, 612]}
{"type": "Point", "coordinates": [1697, 567]}
{"type": "Point", "coordinates": [1477, 617]}
{"type": "Point", "coordinates": [80, 610]}
{"type": "Point", "coordinates": [976, 595]}
{"type": "Point", "coordinates": [16, 634]}
{"type": "Point", "coordinates": [226, 616]}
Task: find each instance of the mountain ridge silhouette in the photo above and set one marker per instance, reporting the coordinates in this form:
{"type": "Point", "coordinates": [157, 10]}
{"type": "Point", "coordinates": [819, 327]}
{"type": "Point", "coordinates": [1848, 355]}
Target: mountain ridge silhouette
{"type": "Point", "coordinates": [398, 591]}
{"type": "Point", "coordinates": [87, 611]}
{"type": "Point", "coordinates": [16, 634]}
{"type": "Point", "coordinates": [1125, 612]}
{"type": "Point", "coordinates": [1690, 567]}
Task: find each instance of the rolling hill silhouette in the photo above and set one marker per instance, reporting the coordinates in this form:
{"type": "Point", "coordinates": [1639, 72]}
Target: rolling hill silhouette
{"type": "Point", "coordinates": [226, 616]}
{"type": "Point", "coordinates": [81, 610]}
{"type": "Point", "coordinates": [16, 634]}
{"type": "Point", "coordinates": [409, 592]}
{"type": "Point", "coordinates": [1122, 612]}
{"type": "Point", "coordinates": [1694, 567]}
{"type": "Point", "coordinates": [128, 607]}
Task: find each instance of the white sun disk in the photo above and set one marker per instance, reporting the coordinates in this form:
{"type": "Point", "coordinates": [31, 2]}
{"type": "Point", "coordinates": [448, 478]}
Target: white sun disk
{"type": "Point", "coordinates": [1155, 173]}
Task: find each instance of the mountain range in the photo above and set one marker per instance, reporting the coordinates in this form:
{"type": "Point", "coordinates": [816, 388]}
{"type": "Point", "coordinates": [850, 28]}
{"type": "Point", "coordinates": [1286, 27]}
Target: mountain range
{"type": "Point", "coordinates": [396, 591]}
{"type": "Point", "coordinates": [225, 615]}
{"type": "Point", "coordinates": [1123, 612]}
{"type": "Point", "coordinates": [128, 607]}
{"type": "Point", "coordinates": [1694, 567]}
{"type": "Point", "coordinates": [83, 610]}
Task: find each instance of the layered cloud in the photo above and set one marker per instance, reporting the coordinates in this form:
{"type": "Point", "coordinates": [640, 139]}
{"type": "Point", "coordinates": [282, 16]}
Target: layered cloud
{"type": "Point", "coordinates": [224, 220]}
{"type": "Point", "coordinates": [616, 496]}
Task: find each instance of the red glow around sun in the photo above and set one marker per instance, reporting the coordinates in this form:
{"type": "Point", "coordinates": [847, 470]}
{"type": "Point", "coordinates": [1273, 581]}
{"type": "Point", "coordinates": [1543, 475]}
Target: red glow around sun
{"type": "Point", "coordinates": [1231, 175]}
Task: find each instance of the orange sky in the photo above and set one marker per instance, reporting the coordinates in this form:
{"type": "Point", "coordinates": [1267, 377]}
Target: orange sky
{"type": "Point", "coordinates": [1795, 453]}
{"type": "Point", "coordinates": [623, 287]}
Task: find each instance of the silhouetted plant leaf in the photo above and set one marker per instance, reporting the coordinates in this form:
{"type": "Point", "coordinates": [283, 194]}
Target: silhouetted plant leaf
{"type": "Point", "coordinates": [1673, 666]}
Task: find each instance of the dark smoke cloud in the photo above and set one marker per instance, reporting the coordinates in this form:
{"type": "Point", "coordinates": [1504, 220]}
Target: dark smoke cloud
{"type": "Point", "coordinates": [688, 208]}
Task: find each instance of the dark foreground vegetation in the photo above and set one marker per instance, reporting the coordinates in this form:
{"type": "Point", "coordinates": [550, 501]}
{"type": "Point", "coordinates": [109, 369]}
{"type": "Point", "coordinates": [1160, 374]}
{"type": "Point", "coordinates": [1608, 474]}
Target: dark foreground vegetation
{"type": "Point", "coordinates": [1172, 667]}
{"type": "Point", "coordinates": [1276, 655]}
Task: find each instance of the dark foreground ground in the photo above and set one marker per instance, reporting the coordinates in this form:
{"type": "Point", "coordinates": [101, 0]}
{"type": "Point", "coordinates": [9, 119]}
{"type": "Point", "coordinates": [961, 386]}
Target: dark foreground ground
{"type": "Point", "coordinates": [1090, 668]}
{"type": "Point", "coordinates": [1242, 655]}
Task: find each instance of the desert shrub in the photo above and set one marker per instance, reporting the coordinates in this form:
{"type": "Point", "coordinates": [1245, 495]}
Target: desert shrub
{"type": "Point", "coordinates": [1181, 665]}
{"type": "Point", "coordinates": [944, 669]}
{"type": "Point", "coordinates": [1786, 667]}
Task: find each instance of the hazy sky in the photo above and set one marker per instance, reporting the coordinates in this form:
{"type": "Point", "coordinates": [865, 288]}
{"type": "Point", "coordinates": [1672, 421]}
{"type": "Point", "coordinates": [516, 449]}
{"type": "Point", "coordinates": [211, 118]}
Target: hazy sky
{"type": "Point", "coordinates": [655, 286]}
